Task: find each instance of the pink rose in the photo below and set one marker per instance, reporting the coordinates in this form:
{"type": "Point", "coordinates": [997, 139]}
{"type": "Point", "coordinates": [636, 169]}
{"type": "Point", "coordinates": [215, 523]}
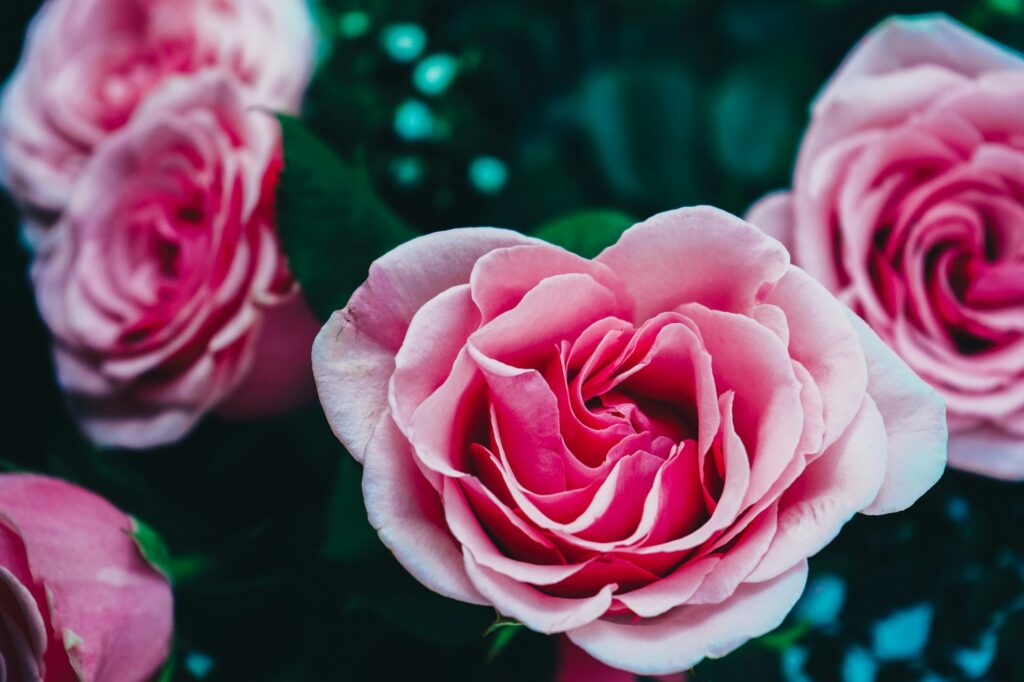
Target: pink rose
{"type": "Point", "coordinates": [77, 599]}
{"type": "Point", "coordinates": [641, 450]}
{"type": "Point", "coordinates": [908, 204]}
{"type": "Point", "coordinates": [163, 282]}
{"type": "Point", "coordinates": [88, 64]}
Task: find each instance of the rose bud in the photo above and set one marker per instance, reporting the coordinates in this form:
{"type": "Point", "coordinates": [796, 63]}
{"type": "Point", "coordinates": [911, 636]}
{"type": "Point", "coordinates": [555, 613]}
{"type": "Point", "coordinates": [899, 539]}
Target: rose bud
{"type": "Point", "coordinates": [163, 282]}
{"type": "Point", "coordinates": [907, 204]}
{"type": "Point", "coordinates": [77, 599]}
{"type": "Point", "coordinates": [88, 64]}
{"type": "Point", "coordinates": [640, 451]}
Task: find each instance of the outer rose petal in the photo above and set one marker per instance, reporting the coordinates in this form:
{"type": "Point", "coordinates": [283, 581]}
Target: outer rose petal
{"type": "Point", "coordinates": [773, 214]}
{"type": "Point", "coordinates": [406, 512]}
{"type": "Point", "coordinates": [683, 637]}
{"type": "Point", "coordinates": [988, 451]}
{"type": "Point", "coordinates": [694, 254]}
{"type": "Point", "coordinates": [113, 610]}
{"type": "Point", "coordinates": [354, 354]}
{"type": "Point", "coordinates": [830, 491]}
{"type": "Point", "coordinates": [900, 43]}
{"type": "Point", "coordinates": [575, 665]}
{"type": "Point", "coordinates": [279, 377]}
{"type": "Point", "coordinates": [915, 422]}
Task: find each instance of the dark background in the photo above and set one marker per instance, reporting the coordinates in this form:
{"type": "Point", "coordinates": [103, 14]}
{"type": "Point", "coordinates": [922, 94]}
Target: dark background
{"type": "Point", "coordinates": [636, 105]}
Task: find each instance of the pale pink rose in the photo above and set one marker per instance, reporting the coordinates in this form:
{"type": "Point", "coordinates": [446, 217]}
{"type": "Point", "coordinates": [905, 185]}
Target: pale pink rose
{"type": "Point", "coordinates": [78, 602]}
{"type": "Point", "coordinates": [639, 450]}
{"type": "Point", "coordinates": [908, 204]}
{"type": "Point", "coordinates": [88, 64]}
{"type": "Point", "coordinates": [163, 282]}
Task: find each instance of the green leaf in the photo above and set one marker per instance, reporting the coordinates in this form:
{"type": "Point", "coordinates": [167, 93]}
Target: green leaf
{"type": "Point", "coordinates": [500, 623]}
{"type": "Point", "coordinates": [587, 232]}
{"type": "Point", "coordinates": [504, 631]}
{"type": "Point", "coordinates": [331, 223]}
{"type": "Point", "coordinates": [784, 638]}
{"type": "Point", "coordinates": [349, 535]}
{"type": "Point", "coordinates": [152, 548]}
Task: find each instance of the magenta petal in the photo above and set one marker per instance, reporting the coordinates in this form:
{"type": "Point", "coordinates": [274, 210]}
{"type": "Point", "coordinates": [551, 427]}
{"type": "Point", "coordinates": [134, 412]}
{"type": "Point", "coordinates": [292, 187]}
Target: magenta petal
{"type": "Point", "coordinates": [575, 665]}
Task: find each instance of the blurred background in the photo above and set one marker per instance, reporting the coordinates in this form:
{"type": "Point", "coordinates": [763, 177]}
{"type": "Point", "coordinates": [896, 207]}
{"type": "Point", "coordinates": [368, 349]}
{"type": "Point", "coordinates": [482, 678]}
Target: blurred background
{"type": "Point", "coordinates": [512, 113]}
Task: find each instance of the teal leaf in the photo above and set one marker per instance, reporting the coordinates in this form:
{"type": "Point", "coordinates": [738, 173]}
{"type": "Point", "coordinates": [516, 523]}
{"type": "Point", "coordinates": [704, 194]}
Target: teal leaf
{"type": "Point", "coordinates": [586, 232]}
{"type": "Point", "coordinates": [331, 223]}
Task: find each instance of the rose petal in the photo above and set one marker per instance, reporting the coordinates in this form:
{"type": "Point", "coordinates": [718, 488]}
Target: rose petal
{"type": "Point", "coordinates": [683, 637]}
{"type": "Point", "coordinates": [915, 425]}
{"type": "Point", "coordinates": [353, 356]}
{"type": "Point", "coordinates": [694, 254]}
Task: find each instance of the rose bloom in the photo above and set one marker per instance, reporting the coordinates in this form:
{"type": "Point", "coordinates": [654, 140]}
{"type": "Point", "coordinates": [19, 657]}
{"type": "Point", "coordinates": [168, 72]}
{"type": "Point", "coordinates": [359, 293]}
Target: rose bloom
{"type": "Point", "coordinates": [77, 599]}
{"type": "Point", "coordinates": [908, 204]}
{"type": "Point", "coordinates": [163, 282]}
{"type": "Point", "coordinates": [87, 65]}
{"type": "Point", "coordinates": [639, 451]}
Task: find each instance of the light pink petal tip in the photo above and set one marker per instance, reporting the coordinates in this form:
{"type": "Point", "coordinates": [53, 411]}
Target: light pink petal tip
{"type": "Point", "coordinates": [915, 423]}
{"type": "Point", "coordinates": [773, 215]}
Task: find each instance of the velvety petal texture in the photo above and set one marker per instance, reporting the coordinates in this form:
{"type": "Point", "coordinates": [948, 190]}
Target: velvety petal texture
{"type": "Point", "coordinates": [78, 602]}
{"type": "Point", "coordinates": [907, 204]}
{"type": "Point", "coordinates": [88, 64]}
{"type": "Point", "coordinates": [163, 282]}
{"type": "Point", "coordinates": [639, 451]}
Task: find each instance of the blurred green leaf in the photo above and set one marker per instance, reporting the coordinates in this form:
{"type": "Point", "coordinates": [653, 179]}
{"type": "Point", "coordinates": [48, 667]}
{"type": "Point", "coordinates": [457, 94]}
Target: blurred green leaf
{"type": "Point", "coordinates": [331, 222]}
{"type": "Point", "coordinates": [152, 548]}
{"type": "Point", "coordinates": [586, 233]}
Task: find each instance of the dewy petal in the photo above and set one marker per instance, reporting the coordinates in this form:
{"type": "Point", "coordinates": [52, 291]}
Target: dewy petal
{"type": "Point", "coordinates": [773, 215]}
{"type": "Point", "coordinates": [683, 637]}
{"type": "Point", "coordinates": [531, 607]}
{"type": "Point", "coordinates": [989, 451]}
{"type": "Point", "coordinates": [843, 481]}
{"type": "Point", "coordinates": [915, 424]}
{"type": "Point", "coordinates": [353, 356]}
{"type": "Point", "coordinates": [407, 513]}
{"type": "Point", "coordinates": [697, 254]}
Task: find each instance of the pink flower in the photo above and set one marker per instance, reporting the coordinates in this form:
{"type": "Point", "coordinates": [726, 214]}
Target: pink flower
{"type": "Point", "coordinates": [88, 64]}
{"type": "Point", "coordinates": [163, 282]}
{"type": "Point", "coordinates": [641, 450]}
{"type": "Point", "coordinates": [77, 599]}
{"type": "Point", "coordinates": [908, 204]}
